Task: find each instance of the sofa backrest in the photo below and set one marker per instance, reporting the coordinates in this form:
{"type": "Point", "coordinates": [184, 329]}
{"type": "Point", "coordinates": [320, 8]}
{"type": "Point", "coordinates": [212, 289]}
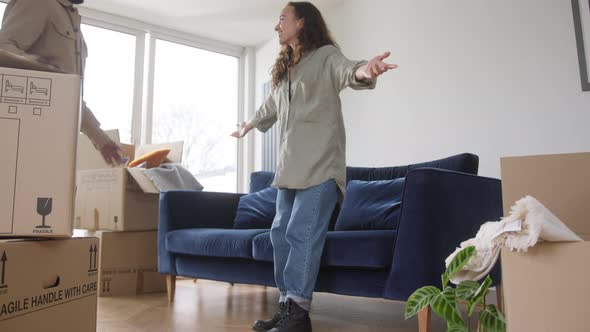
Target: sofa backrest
{"type": "Point", "coordinates": [260, 180]}
{"type": "Point", "coordinates": [465, 163]}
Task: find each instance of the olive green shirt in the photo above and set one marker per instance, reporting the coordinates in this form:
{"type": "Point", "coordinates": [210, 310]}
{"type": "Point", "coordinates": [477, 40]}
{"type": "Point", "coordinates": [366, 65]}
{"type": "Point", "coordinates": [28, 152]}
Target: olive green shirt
{"type": "Point", "coordinates": [49, 30]}
{"type": "Point", "coordinates": [312, 146]}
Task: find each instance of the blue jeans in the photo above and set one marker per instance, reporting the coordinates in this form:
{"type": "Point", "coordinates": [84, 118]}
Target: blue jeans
{"type": "Point", "coordinates": [298, 234]}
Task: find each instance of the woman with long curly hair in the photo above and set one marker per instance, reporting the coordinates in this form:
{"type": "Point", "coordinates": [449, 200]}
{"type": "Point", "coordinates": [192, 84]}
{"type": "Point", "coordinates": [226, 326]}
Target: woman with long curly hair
{"type": "Point", "coordinates": [307, 78]}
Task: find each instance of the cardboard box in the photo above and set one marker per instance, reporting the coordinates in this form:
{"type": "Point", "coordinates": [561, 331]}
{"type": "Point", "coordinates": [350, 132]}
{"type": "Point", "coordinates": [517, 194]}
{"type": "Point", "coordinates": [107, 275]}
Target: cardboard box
{"type": "Point", "coordinates": [48, 285]}
{"type": "Point", "coordinates": [117, 198]}
{"type": "Point", "coordinates": [547, 289]}
{"type": "Point", "coordinates": [128, 263]}
{"type": "Point", "coordinates": [560, 182]}
{"type": "Point", "coordinates": [39, 126]}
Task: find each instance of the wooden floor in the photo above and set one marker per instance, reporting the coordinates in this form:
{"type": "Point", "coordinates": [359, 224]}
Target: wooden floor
{"type": "Point", "coordinates": [214, 307]}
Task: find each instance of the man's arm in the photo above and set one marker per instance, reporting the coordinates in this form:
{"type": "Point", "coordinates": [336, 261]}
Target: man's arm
{"type": "Point", "coordinates": [24, 22]}
{"type": "Point", "coordinates": [110, 151]}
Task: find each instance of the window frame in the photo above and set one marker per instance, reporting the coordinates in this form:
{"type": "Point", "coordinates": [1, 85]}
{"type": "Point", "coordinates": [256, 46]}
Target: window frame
{"type": "Point", "coordinates": [138, 80]}
{"type": "Point", "coordinates": [236, 52]}
{"type": "Point", "coordinates": [145, 53]}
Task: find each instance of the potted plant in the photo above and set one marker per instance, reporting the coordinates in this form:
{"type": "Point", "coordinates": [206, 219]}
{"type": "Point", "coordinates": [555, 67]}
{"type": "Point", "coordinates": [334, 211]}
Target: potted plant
{"type": "Point", "coordinates": [445, 302]}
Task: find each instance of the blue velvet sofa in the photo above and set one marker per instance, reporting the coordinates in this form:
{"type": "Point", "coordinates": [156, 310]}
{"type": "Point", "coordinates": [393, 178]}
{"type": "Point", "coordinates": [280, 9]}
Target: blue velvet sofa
{"type": "Point", "coordinates": [443, 203]}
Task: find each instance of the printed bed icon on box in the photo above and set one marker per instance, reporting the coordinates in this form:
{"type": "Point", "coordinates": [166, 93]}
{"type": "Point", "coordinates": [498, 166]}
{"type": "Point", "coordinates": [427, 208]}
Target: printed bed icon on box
{"type": "Point", "coordinates": [39, 128]}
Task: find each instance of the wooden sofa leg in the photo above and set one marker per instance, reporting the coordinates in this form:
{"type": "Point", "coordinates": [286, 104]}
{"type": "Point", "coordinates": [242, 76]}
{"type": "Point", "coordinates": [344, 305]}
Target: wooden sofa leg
{"type": "Point", "coordinates": [500, 298]}
{"type": "Point", "coordinates": [170, 287]}
{"type": "Point", "coordinates": [424, 320]}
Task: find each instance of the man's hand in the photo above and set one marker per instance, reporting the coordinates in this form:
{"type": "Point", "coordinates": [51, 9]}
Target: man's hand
{"type": "Point", "coordinates": [111, 153]}
{"type": "Point", "coordinates": [374, 68]}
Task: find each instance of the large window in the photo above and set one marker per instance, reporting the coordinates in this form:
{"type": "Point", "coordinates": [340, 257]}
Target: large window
{"type": "Point", "coordinates": [196, 101]}
{"type": "Point", "coordinates": [109, 78]}
{"type": "Point", "coordinates": [179, 92]}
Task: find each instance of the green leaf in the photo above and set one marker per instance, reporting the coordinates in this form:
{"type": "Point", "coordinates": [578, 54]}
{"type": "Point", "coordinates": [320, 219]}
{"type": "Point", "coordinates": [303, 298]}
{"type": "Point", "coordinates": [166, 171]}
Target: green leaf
{"type": "Point", "coordinates": [456, 328]}
{"type": "Point", "coordinates": [479, 296]}
{"type": "Point", "coordinates": [420, 299]}
{"type": "Point", "coordinates": [472, 305]}
{"type": "Point", "coordinates": [457, 264]}
{"type": "Point", "coordinates": [445, 307]}
{"type": "Point", "coordinates": [483, 289]}
{"type": "Point", "coordinates": [467, 289]}
{"type": "Point", "coordinates": [491, 320]}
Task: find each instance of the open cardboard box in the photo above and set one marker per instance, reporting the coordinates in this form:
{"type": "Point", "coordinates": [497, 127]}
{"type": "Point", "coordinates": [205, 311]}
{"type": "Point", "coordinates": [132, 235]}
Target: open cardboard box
{"type": "Point", "coordinates": [117, 198]}
{"type": "Point", "coordinates": [547, 288]}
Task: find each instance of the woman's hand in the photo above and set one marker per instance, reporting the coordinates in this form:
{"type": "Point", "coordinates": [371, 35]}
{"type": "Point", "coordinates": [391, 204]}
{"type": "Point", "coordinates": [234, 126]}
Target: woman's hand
{"type": "Point", "coordinates": [243, 129]}
{"type": "Point", "coordinates": [375, 68]}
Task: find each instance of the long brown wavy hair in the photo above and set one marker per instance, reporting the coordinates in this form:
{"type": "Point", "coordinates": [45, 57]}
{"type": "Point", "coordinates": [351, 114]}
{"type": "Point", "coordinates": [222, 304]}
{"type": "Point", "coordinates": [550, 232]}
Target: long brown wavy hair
{"type": "Point", "coordinates": [312, 36]}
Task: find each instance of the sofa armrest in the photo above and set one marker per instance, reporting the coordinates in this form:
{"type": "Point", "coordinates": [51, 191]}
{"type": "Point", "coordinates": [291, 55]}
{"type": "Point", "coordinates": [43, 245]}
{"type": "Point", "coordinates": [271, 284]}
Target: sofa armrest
{"type": "Point", "coordinates": [192, 209]}
{"type": "Point", "coordinates": [440, 209]}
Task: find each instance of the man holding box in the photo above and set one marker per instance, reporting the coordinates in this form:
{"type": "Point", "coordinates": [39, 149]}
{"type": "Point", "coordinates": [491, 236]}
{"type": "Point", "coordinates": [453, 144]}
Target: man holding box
{"type": "Point", "coordinates": [48, 31]}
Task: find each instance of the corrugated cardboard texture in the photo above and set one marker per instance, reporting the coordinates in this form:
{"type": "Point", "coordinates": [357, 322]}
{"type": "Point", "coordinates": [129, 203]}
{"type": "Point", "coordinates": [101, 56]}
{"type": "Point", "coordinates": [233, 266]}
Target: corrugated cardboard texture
{"type": "Point", "coordinates": [117, 198]}
{"type": "Point", "coordinates": [129, 263]}
{"type": "Point", "coordinates": [560, 182]}
{"type": "Point", "coordinates": [110, 199]}
{"type": "Point", "coordinates": [30, 268]}
{"type": "Point", "coordinates": [547, 289]}
{"type": "Point", "coordinates": [38, 129]}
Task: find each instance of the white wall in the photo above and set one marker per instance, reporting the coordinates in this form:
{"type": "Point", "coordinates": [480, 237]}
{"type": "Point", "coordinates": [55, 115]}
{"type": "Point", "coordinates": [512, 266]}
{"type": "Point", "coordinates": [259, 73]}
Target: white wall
{"type": "Point", "coordinates": [495, 78]}
{"type": "Point", "coordinates": [265, 58]}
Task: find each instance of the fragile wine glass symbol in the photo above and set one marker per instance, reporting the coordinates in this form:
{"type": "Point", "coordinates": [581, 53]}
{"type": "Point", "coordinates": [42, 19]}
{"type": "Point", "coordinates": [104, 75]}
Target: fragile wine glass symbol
{"type": "Point", "coordinates": [44, 206]}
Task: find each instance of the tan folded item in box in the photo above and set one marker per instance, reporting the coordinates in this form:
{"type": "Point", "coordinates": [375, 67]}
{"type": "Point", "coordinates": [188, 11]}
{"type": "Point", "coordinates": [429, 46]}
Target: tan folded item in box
{"type": "Point", "coordinates": [528, 223]}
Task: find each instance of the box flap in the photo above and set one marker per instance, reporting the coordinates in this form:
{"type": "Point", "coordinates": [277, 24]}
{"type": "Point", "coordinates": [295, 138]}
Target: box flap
{"type": "Point", "coordinates": [90, 158]}
{"type": "Point", "coordinates": [39, 126]}
{"type": "Point", "coordinates": [560, 182]}
{"type": "Point", "coordinates": [128, 151]}
{"type": "Point", "coordinates": [175, 155]}
{"type": "Point", "coordinates": [145, 183]}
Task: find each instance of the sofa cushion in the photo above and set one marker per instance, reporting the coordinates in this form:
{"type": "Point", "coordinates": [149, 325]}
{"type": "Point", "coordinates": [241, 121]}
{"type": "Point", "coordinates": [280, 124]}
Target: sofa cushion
{"type": "Point", "coordinates": [260, 180]}
{"type": "Point", "coordinates": [371, 205]}
{"type": "Point", "coordinates": [212, 242]}
{"type": "Point", "coordinates": [357, 249]}
{"type": "Point", "coordinates": [256, 210]}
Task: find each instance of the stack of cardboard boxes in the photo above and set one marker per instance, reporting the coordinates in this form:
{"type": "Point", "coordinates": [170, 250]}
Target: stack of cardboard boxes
{"type": "Point", "coordinates": [120, 206]}
{"type": "Point", "coordinates": [48, 281]}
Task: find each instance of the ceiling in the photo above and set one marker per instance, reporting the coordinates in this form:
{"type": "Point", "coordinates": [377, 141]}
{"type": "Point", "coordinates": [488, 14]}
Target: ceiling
{"type": "Point", "coordinates": [243, 23]}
